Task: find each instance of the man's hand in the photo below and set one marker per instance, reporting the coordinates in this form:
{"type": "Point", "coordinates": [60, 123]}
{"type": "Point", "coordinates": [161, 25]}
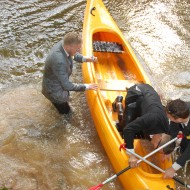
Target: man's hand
{"type": "Point", "coordinates": [169, 173]}
{"type": "Point", "coordinates": [92, 59]}
{"type": "Point", "coordinates": [133, 161]}
{"type": "Point", "coordinates": [92, 86]}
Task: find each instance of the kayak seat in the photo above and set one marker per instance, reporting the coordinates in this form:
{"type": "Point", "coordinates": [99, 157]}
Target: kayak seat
{"type": "Point", "coordinates": [116, 85]}
{"type": "Point", "coordinates": [111, 47]}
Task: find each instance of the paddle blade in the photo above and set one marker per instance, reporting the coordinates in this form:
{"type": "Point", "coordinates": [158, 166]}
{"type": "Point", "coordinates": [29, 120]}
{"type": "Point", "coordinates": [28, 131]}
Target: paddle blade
{"type": "Point", "coordinates": [96, 187]}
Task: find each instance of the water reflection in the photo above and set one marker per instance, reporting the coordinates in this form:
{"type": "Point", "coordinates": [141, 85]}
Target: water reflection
{"type": "Point", "coordinates": [41, 149]}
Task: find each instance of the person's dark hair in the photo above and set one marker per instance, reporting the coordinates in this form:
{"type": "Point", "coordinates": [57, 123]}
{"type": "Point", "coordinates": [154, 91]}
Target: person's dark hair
{"type": "Point", "coordinates": [177, 108]}
{"type": "Point", "coordinates": [170, 148]}
{"type": "Point", "coordinates": [72, 38]}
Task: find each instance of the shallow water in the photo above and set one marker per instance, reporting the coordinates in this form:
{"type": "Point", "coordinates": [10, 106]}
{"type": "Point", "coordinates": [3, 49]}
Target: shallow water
{"type": "Point", "coordinates": [39, 148]}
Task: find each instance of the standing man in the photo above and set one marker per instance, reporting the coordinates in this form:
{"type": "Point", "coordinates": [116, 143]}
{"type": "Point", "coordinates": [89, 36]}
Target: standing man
{"type": "Point", "coordinates": [144, 116]}
{"type": "Point", "coordinates": [58, 68]}
{"type": "Point", "coordinates": [178, 112]}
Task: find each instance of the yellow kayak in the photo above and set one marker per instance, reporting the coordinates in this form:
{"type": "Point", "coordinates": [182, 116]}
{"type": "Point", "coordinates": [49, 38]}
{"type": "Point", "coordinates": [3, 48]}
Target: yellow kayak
{"type": "Point", "coordinates": [116, 70]}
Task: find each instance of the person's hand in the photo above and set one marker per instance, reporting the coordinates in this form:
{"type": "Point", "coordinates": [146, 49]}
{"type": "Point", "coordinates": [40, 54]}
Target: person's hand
{"type": "Point", "coordinates": [169, 173]}
{"type": "Point", "coordinates": [133, 161]}
{"type": "Point", "coordinates": [92, 86]}
{"type": "Point", "coordinates": [92, 59]}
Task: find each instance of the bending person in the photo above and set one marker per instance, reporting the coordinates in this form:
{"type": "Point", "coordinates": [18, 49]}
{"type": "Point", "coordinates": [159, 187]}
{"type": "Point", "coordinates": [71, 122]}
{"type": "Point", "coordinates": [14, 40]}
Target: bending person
{"type": "Point", "coordinates": [145, 115]}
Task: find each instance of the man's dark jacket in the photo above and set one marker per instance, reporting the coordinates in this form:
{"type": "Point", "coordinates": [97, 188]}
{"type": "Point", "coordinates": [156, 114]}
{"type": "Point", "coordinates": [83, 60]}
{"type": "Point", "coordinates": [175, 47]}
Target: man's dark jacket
{"type": "Point", "coordinates": [185, 143]}
{"type": "Point", "coordinates": [152, 118]}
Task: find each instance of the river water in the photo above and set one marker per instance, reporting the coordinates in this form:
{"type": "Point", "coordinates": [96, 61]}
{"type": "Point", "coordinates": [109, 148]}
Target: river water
{"type": "Point", "coordinates": [42, 150]}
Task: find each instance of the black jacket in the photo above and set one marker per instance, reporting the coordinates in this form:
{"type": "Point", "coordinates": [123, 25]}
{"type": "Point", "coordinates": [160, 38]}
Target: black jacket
{"type": "Point", "coordinates": [185, 143]}
{"type": "Point", "coordinates": [151, 119]}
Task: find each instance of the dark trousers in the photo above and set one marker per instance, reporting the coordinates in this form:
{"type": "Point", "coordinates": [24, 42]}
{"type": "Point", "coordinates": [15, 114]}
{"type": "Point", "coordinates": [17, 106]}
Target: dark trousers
{"type": "Point", "coordinates": [63, 108]}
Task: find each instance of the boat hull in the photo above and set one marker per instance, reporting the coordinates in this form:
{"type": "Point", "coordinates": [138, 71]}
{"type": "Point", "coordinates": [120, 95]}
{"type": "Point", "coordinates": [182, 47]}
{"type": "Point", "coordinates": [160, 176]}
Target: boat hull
{"type": "Point", "coordinates": [118, 65]}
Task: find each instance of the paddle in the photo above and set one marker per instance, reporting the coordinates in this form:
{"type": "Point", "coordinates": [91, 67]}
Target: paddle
{"type": "Point", "coordinates": [159, 169]}
{"type": "Point", "coordinates": [127, 168]}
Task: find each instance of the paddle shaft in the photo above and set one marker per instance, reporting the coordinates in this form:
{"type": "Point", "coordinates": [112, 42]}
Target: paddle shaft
{"type": "Point", "coordinates": [148, 155]}
{"type": "Point", "coordinates": [156, 167]}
